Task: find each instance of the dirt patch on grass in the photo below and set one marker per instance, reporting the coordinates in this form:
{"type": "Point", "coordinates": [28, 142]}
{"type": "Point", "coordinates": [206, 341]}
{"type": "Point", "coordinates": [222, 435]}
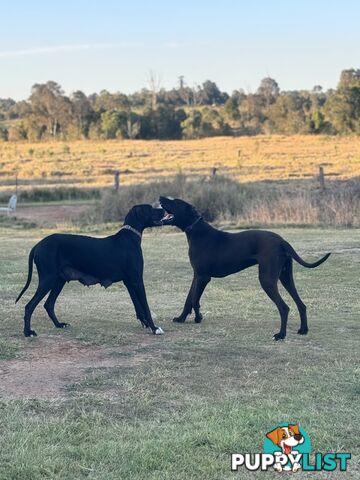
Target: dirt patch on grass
{"type": "Point", "coordinates": [51, 363]}
{"type": "Point", "coordinates": [50, 215]}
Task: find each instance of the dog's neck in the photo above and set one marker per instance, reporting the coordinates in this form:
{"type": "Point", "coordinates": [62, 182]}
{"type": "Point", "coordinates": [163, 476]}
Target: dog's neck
{"type": "Point", "coordinates": [195, 229]}
{"type": "Point", "coordinates": [192, 225]}
{"type": "Point", "coordinates": [133, 230]}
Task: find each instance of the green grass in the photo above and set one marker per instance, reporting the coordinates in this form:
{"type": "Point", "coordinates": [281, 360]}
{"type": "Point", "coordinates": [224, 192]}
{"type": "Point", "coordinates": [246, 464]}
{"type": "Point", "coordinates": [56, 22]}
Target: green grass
{"type": "Point", "coordinates": [204, 391]}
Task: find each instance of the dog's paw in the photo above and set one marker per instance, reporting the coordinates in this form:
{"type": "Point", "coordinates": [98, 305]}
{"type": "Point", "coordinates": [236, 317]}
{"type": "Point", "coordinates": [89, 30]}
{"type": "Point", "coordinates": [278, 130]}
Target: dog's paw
{"type": "Point", "coordinates": [30, 333]}
{"type": "Point", "coordinates": [159, 331]}
{"type": "Point", "coordinates": [303, 331]}
{"type": "Point", "coordinates": [278, 467]}
{"type": "Point", "coordinates": [296, 467]}
{"type": "Point", "coordinates": [180, 319]}
{"type": "Point", "coordinates": [64, 325]}
{"type": "Point", "coordinates": [278, 336]}
{"type": "Point", "coordinates": [198, 318]}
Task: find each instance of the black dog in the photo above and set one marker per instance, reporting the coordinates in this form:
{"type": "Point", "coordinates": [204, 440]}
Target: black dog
{"type": "Point", "coordinates": [61, 258]}
{"type": "Point", "coordinates": [214, 253]}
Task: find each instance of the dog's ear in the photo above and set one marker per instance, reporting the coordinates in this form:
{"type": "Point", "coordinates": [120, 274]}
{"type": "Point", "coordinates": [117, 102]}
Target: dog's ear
{"type": "Point", "coordinates": [274, 436]}
{"type": "Point", "coordinates": [294, 429]}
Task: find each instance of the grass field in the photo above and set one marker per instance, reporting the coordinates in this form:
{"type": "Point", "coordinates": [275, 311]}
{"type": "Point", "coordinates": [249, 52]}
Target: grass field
{"type": "Point", "coordinates": [248, 159]}
{"type": "Point", "coordinates": [105, 400]}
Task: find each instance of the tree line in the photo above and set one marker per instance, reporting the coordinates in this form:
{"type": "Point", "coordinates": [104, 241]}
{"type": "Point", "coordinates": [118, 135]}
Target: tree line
{"type": "Point", "coordinates": [182, 112]}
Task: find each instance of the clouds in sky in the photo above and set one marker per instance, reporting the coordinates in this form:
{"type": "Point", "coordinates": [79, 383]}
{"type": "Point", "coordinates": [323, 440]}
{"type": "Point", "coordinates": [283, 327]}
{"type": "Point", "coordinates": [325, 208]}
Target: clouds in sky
{"type": "Point", "coordinates": [66, 48]}
{"type": "Point", "coordinates": [35, 51]}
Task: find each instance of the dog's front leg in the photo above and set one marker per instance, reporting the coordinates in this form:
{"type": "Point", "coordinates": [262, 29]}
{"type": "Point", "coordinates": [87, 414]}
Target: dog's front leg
{"type": "Point", "coordinates": [140, 293]}
{"type": "Point", "coordinates": [188, 305]}
{"type": "Point", "coordinates": [140, 314]}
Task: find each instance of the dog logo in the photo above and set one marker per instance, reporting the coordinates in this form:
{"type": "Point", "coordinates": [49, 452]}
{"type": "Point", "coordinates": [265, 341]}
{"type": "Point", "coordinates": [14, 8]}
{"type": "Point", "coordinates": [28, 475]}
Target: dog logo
{"type": "Point", "coordinates": [287, 438]}
{"type": "Point", "coordinates": [287, 448]}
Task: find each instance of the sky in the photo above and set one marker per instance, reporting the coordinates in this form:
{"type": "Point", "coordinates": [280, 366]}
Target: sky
{"type": "Point", "coordinates": [114, 45]}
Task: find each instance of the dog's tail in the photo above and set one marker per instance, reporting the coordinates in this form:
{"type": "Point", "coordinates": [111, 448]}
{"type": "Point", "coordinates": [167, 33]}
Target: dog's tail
{"type": "Point", "coordinates": [28, 281]}
{"type": "Point", "coordinates": [302, 262]}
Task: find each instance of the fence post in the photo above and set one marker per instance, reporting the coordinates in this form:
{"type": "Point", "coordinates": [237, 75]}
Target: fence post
{"type": "Point", "coordinates": [321, 178]}
{"type": "Point", "coordinates": [116, 180]}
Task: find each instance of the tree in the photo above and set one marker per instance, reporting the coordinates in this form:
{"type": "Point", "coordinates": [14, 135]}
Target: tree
{"type": "Point", "coordinates": [155, 112]}
{"type": "Point", "coordinates": [288, 114]}
{"type": "Point", "coordinates": [252, 113]}
{"type": "Point", "coordinates": [110, 101]}
{"type": "Point", "coordinates": [17, 132]}
{"type": "Point", "coordinates": [34, 130]}
{"type": "Point", "coordinates": [95, 132]}
{"type": "Point", "coordinates": [185, 92]}
{"type": "Point", "coordinates": [83, 112]}
{"type": "Point", "coordinates": [318, 123]}
{"type": "Point", "coordinates": [164, 122]}
{"type": "Point", "coordinates": [133, 125]}
{"type": "Point", "coordinates": [6, 105]}
{"type": "Point", "coordinates": [342, 107]}
{"type": "Point", "coordinates": [140, 99]}
{"type": "Point", "coordinates": [269, 89]}
{"type": "Point", "coordinates": [154, 84]}
{"type": "Point", "coordinates": [50, 106]}
{"type": "Point", "coordinates": [211, 95]}
{"type": "Point", "coordinates": [349, 78]}
{"type": "Point", "coordinates": [20, 109]}
{"type": "Point", "coordinates": [231, 108]}
{"type": "Point", "coordinates": [191, 126]}
{"type": "Point", "coordinates": [213, 123]}
{"type": "Point", "coordinates": [112, 123]}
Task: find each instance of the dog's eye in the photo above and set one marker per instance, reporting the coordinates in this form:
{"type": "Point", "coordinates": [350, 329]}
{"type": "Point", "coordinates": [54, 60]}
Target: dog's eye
{"type": "Point", "coordinates": [284, 435]}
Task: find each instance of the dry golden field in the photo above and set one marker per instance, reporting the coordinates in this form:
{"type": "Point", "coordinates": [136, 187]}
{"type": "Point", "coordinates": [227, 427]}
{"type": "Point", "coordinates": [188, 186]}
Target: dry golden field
{"type": "Point", "coordinates": [248, 159]}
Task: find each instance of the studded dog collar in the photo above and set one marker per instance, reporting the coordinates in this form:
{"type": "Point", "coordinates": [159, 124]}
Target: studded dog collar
{"type": "Point", "coordinates": [132, 229]}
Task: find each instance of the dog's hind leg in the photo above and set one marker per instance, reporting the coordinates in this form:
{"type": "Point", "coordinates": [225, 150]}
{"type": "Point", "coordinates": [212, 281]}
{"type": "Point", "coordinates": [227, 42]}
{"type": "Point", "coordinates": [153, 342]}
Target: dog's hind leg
{"type": "Point", "coordinates": [287, 279]}
{"type": "Point", "coordinates": [268, 276]}
{"type": "Point", "coordinates": [45, 285]}
{"type": "Point", "coordinates": [50, 303]}
{"type": "Point", "coordinates": [140, 314]}
{"type": "Point", "coordinates": [198, 290]}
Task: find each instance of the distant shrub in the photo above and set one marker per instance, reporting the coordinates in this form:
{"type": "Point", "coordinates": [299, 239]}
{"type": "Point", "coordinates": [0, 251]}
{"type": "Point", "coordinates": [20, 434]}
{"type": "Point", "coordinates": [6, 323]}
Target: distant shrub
{"type": "Point", "coordinates": [338, 206]}
{"type": "Point", "coordinates": [217, 197]}
{"type": "Point", "coordinates": [58, 194]}
{"type": "Point", "coordinates": [220, 198]}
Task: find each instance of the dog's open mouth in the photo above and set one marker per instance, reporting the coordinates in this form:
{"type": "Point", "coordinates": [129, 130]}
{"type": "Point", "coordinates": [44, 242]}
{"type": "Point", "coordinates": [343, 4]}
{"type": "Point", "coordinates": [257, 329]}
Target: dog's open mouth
{"type": "Point", "coordinates": [168, 217]}
{"type": "Point", "coordinates": [287, 449]}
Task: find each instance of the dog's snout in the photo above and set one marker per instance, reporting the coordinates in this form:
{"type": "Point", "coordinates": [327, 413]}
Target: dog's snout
{"type": "Point", "coordinates": [298, 437]}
